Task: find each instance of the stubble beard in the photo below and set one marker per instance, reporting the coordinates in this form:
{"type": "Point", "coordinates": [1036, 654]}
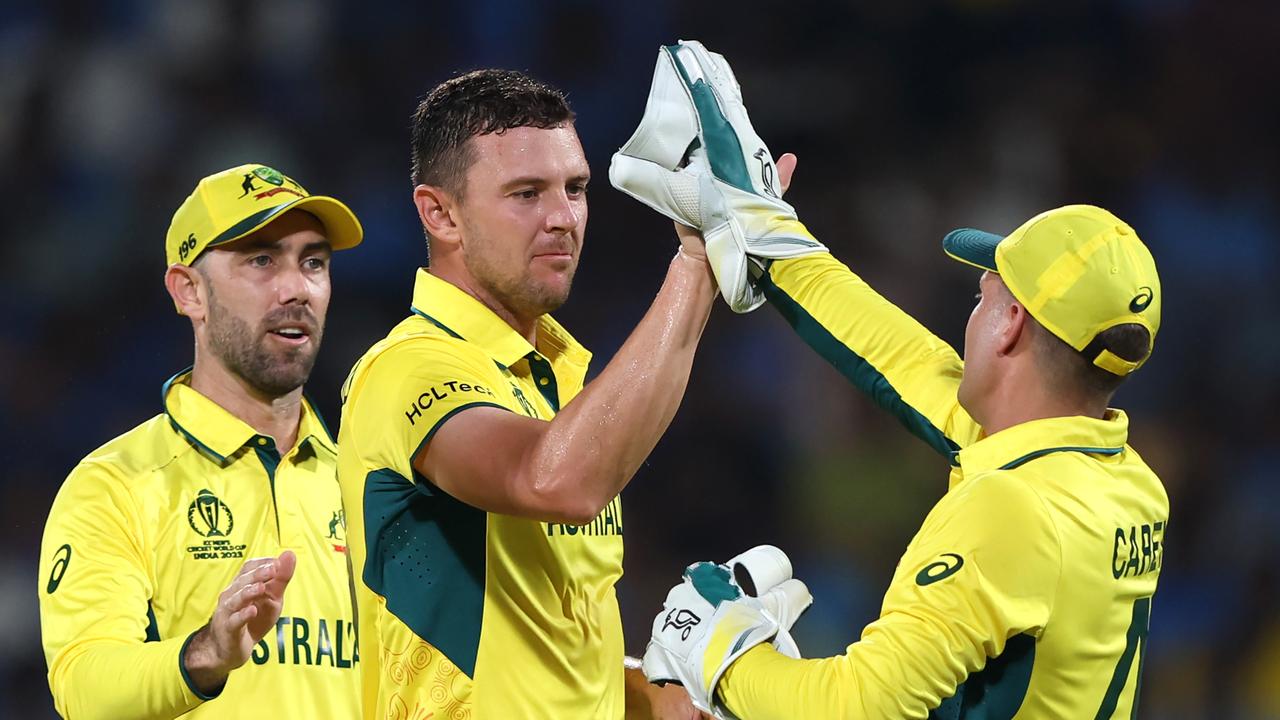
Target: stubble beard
{"type": "Point", "coordinates": [244, 352]}
{"type": "Point", "coordinates": [521, 295]}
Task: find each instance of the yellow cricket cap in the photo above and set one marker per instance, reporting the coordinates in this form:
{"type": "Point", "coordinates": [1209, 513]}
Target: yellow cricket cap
{"type": "Point", "coordinates": [1078, 270]}
{"type": "Point", "coordinates": [230, 204]}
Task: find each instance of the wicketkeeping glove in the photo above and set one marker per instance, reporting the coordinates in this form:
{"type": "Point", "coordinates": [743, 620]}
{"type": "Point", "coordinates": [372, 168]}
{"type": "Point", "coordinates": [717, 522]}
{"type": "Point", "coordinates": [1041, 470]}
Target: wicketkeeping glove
{"type": "Point", "coordinates": [696, 159]}
{"type": "Point", "coordinates": [708, 621]}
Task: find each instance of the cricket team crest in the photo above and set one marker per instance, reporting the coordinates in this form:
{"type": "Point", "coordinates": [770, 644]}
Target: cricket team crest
{"type": "Point", "coordinates": [270, 176]}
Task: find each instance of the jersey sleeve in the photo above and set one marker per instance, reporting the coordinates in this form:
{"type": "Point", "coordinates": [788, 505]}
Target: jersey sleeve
{"type": "Point", "coordinates": [408, 391]}
{"type": "Point", "coordinates": [883, 351]}
{"type": "Point", "coordinates": [104, 655]}
{"type": "Point", "coordinates": [974, 590]}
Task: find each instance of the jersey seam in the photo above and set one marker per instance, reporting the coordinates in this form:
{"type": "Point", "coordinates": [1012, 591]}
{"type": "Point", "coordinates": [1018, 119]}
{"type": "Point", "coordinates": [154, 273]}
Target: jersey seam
{"type": "Point", "coordinates": [1057, 534]}
{"type": "Point", "coordinates": [137, 531]}
{"type": "Point", "coordinates": [372, 357]}
{"type": "Point", "coordinates": [431, 433]}
{"type": "Point", "coordinates": [358, 385]}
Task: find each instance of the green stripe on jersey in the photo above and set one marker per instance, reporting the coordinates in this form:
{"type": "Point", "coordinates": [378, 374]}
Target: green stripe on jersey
{"type": "Point", "coordinates": [856, 369]}
{"type": "Point", "coordinates": [997, 691]}
{"type": "Point", "coordinates": [426, 557]}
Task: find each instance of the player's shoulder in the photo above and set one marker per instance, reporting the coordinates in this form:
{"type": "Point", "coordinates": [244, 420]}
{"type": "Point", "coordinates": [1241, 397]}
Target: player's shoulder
{"type": "Point", "coordinates": [414, 340]}
{"type": "Point", "coordinates": [417, 349]}
{"type": "Point", "coordinates": [1004, 498]}
{"type": "Point", "coordinates": [998, 485]}
{"type": "Point", "coordinates": [127, 460]}
{"type": "Point", "coordinates": [1000, 516]}
{"type": "Point", "coordinates": [1142, 479]}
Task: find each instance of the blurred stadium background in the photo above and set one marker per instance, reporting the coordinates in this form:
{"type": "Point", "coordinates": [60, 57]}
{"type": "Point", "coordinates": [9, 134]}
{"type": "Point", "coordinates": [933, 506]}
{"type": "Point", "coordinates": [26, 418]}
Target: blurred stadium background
{"type": "Point", "coordinates": [910, 118]}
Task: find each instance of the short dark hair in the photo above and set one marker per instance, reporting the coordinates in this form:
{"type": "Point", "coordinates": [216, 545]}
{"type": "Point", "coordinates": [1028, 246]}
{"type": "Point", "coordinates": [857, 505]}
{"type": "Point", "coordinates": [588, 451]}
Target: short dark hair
{"type": "Point", "coordinates": [1074, 371]}
{"type": "Point", "coordinates": [477, 103]}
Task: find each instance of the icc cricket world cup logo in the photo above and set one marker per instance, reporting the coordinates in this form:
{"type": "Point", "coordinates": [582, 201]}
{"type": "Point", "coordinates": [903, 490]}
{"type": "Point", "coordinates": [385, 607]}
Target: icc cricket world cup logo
{"type": "Point", "coordinates": [209, 516]}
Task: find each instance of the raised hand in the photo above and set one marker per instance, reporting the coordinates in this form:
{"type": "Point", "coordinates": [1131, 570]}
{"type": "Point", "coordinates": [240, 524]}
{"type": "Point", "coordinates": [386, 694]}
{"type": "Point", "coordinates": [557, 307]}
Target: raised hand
{"type": "Point", "coordinates": [696, 158]}
{"type": "Point", "coordinates": [246, 611]}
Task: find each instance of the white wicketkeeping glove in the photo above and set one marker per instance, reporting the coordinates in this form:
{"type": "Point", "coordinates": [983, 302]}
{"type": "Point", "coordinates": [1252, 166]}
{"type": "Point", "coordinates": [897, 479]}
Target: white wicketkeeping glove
{"type": "Point", "coordinates": [764, 572]}
{"type": "Point", "coordinates": [708, 621]}
{"type": "Point", "coordinates": [696, 159]}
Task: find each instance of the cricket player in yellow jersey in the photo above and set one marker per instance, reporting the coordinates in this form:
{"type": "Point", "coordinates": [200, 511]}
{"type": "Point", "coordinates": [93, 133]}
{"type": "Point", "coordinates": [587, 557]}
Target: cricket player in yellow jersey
{"type": "Point", "coordinates": [480, 477]}
{"type": "Point", "coordinates": [196, 565]}
{"type": "Point", "coordinates": [1027, 592]}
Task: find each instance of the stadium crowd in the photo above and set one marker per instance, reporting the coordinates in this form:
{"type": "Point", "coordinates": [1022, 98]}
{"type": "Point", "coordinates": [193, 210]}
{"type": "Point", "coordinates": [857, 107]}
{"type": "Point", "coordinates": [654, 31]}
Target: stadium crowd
{"type": "Point", "coordinates": [909, 119]}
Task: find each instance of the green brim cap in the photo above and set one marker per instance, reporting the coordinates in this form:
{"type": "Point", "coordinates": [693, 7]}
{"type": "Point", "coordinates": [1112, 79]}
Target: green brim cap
{"type": "Point", "coordinates": [973, 247]}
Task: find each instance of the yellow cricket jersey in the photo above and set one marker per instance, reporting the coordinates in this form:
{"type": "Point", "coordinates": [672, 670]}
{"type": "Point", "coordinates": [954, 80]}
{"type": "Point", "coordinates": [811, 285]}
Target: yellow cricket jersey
{"type": "Point", "coordinates": [1027, 591]}
{"type": "Point", "coordinates": [149, 529]}
{"type": "Point", "coordinates": [465, 613]}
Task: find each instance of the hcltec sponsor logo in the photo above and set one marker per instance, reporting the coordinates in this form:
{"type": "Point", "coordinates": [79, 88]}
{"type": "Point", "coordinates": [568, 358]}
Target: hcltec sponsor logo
{"type": "Point", "coordinates": [682, 620]}
{"type": "Point", "coordinates": [608, 522]}
{"type": "Point", "coordinates": [939, 569]}
{"type": "Point", "coordinates": [211, 518]}
{"type": "Point", "coordinates": [299, 641]}
{"type": "Point", "coordinates": [441, 392]}
{"type": "Point", "coordinates": [1138, 549]}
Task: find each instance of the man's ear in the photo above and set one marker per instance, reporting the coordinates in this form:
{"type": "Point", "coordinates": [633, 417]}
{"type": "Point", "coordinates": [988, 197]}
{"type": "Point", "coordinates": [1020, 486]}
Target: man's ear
{"type": "Point", "coordinates": [1014, 330]}
{"type": "Point", "coordinates": [184, 285]}
{"type": "Point", "coordinates": [436, 212]}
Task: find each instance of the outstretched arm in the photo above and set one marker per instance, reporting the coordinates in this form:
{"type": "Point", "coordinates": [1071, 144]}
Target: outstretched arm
{"type": "Point", "coordinates": [568, 469]}
{"type": "Point", "coordinates": [697, 159]}
{"type": "Point", "coordinates": [970, 593]}
{"type": "Point", "coordinates": [883, 351]}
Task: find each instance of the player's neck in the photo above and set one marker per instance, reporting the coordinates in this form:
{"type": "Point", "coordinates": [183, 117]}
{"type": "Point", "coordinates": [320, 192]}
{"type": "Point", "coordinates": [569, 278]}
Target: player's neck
{"type": "Point", "coordinates": [275, 417]}
{"type": "Point", "coordinates": [527, 327]}
{"type": "Point", "coordinates": [1016, 403]}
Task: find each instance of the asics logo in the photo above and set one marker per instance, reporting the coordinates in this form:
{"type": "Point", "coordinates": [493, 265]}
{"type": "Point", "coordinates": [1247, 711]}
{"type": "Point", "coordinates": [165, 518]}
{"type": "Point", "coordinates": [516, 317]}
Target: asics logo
{"type": "Point", "coordinates": [939, 570]}
{"type": "Point", "coordinates": [682, 620]}
{"type": "Point", "coordinates": [1142, 299]}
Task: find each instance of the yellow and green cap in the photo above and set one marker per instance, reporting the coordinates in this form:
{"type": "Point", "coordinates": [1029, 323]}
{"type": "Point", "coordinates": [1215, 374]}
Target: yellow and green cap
{"type": "Point", "coordinates": [1079, 270]}
{"type": "Point", "coordinates": [230, 204]}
